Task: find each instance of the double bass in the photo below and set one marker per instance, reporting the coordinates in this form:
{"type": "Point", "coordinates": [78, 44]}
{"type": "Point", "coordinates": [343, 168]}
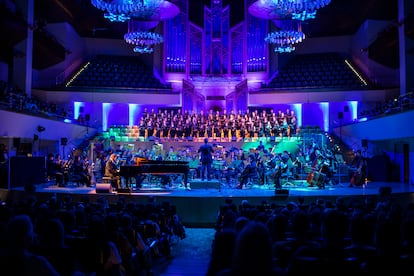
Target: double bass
{"type": "Point", "coordinates": [316, 177]}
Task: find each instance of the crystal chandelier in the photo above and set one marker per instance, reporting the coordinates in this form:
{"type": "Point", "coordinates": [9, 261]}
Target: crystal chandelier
{"type": "Point", "coordinates": [282, 9]}
{"type": "Point", "coordinates": [139, 34]}
{"type": "Point", "coordinates": [141, 15]}
{"type": "Point", "coordinates": [286, 37]}
{"type": "Point", "coordinates": [123, 10]}
{"type": "Point", "coordinates": [284, 40]}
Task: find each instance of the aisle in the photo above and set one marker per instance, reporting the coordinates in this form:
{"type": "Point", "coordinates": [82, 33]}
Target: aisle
{"type": "Point", "coordinates": [191, 255]}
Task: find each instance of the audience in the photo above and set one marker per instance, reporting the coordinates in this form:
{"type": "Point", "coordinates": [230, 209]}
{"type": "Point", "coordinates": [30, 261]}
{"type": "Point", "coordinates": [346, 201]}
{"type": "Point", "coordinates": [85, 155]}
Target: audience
{"type": "Point", "coordinates": [60, 236]}
{"type": "Point", "coordinates": [17, 257]}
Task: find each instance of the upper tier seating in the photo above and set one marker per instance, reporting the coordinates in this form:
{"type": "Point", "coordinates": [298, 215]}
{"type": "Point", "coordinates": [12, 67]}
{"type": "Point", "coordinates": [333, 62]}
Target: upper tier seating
{"type": "Point", "coordinates": [118, 71]}
{"type": "Point", "coordinates": [324, 70]}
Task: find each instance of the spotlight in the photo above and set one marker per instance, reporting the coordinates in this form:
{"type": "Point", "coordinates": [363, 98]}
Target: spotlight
{"type": "Point", "coordinates": [63, 141]}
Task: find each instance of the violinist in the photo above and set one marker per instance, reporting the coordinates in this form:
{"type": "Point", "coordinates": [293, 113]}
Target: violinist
{"type": "Point", "coordinates": [62, 169]}
{"type": "Point", "coordinates": [249, 170]}
{"type": "Point", "coordinates": [54, 169]}
{"type": "Point", "coordinates": [81, 171]}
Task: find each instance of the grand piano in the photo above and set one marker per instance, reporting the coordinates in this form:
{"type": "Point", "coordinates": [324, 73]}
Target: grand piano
{"type": "Point", "coordinates": [156, 167]}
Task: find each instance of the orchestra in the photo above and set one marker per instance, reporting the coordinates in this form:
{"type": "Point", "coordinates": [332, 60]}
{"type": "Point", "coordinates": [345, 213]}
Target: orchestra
{"type": "Point", "coordinates": [314, 165]}
{"type": "Point", "coordinates": [311, 162]}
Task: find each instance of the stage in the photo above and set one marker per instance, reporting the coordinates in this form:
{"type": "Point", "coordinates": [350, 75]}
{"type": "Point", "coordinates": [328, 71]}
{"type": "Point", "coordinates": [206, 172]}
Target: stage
{"type": "Point", "coordinates": [198, 206]}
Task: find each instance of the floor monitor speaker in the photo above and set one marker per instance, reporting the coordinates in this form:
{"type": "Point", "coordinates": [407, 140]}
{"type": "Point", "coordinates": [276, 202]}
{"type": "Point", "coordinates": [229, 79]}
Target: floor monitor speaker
{"type": "Point", "coordinates": [103, 188]}
{"type": "Point", "coordinates": [123, 190]}
{"type": "Point", "coordinates": [282, 192]}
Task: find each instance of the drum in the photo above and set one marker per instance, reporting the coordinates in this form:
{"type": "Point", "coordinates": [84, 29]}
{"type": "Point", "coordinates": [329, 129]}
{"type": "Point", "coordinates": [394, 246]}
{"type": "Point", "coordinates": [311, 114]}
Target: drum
{"type": "Point", "coordinates": [324, 168]}
{"type": "Point", "coordinates": [319, 179]}
{"type": "Point", "coordinates": [316, 179]}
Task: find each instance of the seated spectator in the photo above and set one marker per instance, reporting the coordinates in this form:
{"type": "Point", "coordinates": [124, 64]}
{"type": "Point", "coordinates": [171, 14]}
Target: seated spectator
{"type": "Point", "coordinates": [52, 246]}
{"type": "Point", "coordinates": [252, 253]}
{"type": "Point", "coordinates": [222, 251]}
{"type": "Point", "coordinates": [18, 256]}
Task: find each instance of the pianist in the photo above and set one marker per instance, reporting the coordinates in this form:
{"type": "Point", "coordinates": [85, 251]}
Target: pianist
{"type": "Point", "coordinates": [111, 170]}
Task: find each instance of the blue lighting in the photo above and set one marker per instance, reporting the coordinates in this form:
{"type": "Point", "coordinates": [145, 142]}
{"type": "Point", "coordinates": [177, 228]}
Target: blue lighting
{"type": "Point", "coordinates": [304, 15]}
{"type": "Point", "coordinates": [354, 109]}
{"type": "Point", "coordinates": [132, 110]}
{"type": "Point", "coordinates": [325, 112]}
{"type": "Point", "coordinates": [106, 107]}
{"type": "Point", "coordinates": [298, 111]}
{"type": "Point", "coordinates": [76, 109]}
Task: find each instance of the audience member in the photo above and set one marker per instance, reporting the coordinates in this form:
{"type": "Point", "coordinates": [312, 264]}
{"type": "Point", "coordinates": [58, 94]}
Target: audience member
{"type": "Point", "coordinates": [18, 258]}
{"type": "Point", "coordinates": [252, 253]}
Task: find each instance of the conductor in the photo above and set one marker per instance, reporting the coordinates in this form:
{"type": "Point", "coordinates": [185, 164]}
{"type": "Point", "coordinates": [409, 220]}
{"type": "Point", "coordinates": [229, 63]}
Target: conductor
{"type": "Point", "coordinates": [206, 157]}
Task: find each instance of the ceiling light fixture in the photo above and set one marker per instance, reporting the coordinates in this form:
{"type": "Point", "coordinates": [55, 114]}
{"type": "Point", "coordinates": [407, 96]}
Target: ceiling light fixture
{"type": "Point", "coordinates": [284, 9]}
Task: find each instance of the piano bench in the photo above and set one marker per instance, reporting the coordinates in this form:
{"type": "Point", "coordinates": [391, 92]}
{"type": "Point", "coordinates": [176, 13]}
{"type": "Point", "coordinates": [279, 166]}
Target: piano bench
{"type": "Point", "coordinates": [106, 179]}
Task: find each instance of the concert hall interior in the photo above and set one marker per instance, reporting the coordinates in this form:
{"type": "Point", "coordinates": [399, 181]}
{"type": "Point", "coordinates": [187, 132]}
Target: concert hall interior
{"type": "Point", "coordinates": [306, 100]}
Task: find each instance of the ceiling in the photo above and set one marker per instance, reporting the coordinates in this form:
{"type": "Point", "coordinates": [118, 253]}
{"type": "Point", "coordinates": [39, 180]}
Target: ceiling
{"type": "Point", "coordinates": [340, 17]}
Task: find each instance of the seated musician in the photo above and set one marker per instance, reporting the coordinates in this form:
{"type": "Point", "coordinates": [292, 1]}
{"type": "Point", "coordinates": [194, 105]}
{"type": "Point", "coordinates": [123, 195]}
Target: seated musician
{"type": "Point", "coordinates": [249, 170]}
{"type": "Point", "coordinates": [280, 168]}
{"type": "Point", "coordinates": [233, 168]}
{"type": "Point", "coordinates": [62, 168]}
{"type": "Point", "coordinates": [80, 171]}
{"type": "Point", "coordinates": [357, 172]}
{"type": "Point", "coordinates": [111, 170]}
{"type": "Point", "coordinates": [54, 170]}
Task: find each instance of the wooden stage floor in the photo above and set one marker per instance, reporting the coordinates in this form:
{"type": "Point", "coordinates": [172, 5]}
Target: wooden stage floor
{"type": "Point", "coordinates": [198, 207]}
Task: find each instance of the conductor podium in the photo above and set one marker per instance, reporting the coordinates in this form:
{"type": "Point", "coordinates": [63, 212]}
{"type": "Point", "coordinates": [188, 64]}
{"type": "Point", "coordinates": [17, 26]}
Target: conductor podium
{"type": "Point", "coordinates": [198, 184]}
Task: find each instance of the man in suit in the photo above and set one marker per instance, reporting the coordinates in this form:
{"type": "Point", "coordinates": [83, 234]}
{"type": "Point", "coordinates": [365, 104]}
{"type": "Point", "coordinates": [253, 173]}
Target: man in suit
{"type": "Point", "coordinates": [111, 170]}
{"type": "Point", "coordinates": [206, 157]}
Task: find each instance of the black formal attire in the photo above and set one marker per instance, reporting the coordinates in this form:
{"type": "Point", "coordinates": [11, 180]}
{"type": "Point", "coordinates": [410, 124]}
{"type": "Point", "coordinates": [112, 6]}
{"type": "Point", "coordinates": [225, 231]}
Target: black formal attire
{"type": "Point", "coordinates": [206, 158]}
{"type": "Point", "coordinates": [249, 170]}
{"type": "Point", "coordinates": [281, 167]}
{"type": "Point", "coordinates": [111, 170]}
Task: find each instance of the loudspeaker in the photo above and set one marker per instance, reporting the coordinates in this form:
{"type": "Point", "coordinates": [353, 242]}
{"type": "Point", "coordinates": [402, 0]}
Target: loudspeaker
{"type": "Point", "coordinates": [340, 115]}
{"type": "Point", "coordinates": [364, 143]}
{"type": "Point", "coordinates": [87, 117]}
{"type": "Point", "coordinates": [123, 190]}
{"type": "Point", "coordinates": [16, 142]}
{"type": "Point", "coordinates": [41, 128]}
{"type": "Point", "coordinates": [346, 108]}
{"type": "Point", "coordinates": [103, 188]}
{"type": "Point", "coordinates": [281, 192]}
{"type": "Point", "coordinates": [63, 141]}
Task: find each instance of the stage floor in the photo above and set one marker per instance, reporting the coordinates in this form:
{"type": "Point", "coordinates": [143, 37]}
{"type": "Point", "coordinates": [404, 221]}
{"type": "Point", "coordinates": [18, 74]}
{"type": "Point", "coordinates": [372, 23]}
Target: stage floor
{"type": "Point", "coordinates": [198, 206]}
{"type": "Point", "coordinates": [214, 188]}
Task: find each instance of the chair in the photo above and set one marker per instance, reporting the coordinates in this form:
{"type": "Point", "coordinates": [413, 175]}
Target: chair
{"type": "Point", "coordinates": [287, 174]}
{"type": "Point", "coordinates": [253, 177]}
